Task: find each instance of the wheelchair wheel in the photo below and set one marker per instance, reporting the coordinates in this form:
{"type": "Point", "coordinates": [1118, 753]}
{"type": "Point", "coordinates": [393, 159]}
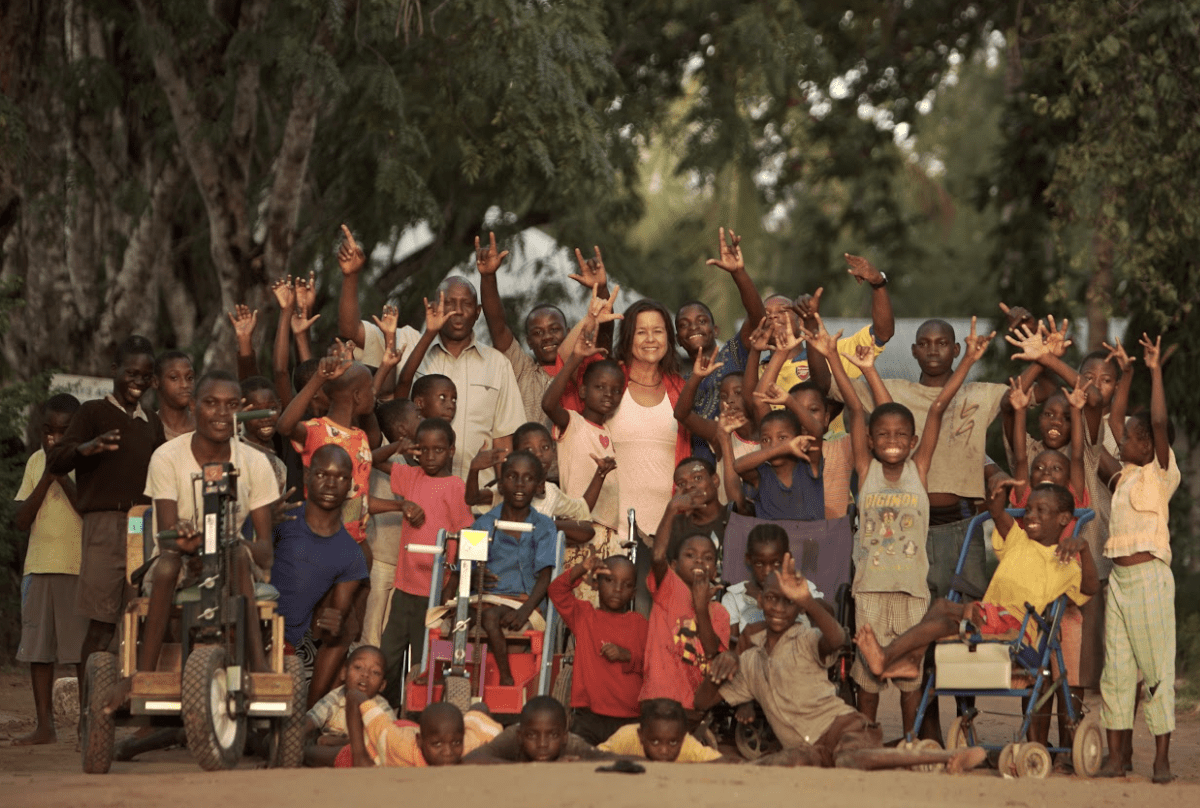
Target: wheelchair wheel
{"type": "Point", "coordinates": [215, 734]}
{"type": "Point", "coordinates": [1087, 752]}
{"type": "Point", "coordinates": [457, 691]}
{"type": "Point", "coordinates": [1008, 760]}
{"type": "Point", "coordinates": [1033, 761]}
{"type": "Point", "coordinates": [959, 736]}
{"type": "Point", "coordinates": [750, 739]}
{"type": "Point", "coordinates": [287, 734]}
{"type": "Point", "coordinates": [98, 737]}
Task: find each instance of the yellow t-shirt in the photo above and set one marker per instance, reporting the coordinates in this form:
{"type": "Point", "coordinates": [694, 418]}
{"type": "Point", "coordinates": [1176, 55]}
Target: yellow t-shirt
{"type": "Point", "coordinates": [795, 371]}
{"type": "Point", "coordinates": [625, 741]}
{"type": "Point", "coordinates": [1030, 573]}
{"type": "Point", "coordinates": [57, 533]}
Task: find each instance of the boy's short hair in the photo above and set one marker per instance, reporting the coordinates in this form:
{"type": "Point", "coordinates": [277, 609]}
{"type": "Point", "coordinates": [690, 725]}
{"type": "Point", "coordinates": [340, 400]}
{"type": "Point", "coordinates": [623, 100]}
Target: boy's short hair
{"type": "Point", "coordinates": [1063, 499]}
{"type": "Point", "coordinates": [1103, 357]}
{"type": "Point", "coordinates": [160, 361]}
{"type": "Point", "coordinates": [787, 416]}
{"type": "Point", "coordinates": [733, 374]}
{"type": "Point", "coordinates": [808, 385]}
{"type": "Point", "coordinates": [437, 425]}
{"type": "Point", "coordinates": [544, 307]}
{"type": "Point", "coordinates": [676, 547]}
{"type": "Point", "coordinates": [892, 408]}
{"type": "Point", "coordinates": [662, 710]}
{"type": "Point", "coordinates": [361, 650]}
{"type": "Point", "coordinates": [438, 715]}
{"type": "Point", "coordinates": [133, 345]}
{"type": "Point", "coordinates": [214, 376]}
{"type": "Point", "coordinates": [524, 454]}
{"type": "Point", "coordinates": [602, 364]}
{"type": "Point", "coordinates": [254, 384]}
{"type": "Point", "coordinates": [544, 705]}
{"type": "Point", "coordinates": [687, 461]}
{"type": "Point", "coordinates": [528, 428]}
{"type": "Point", "coordinates": [422, 386]}
{"type": "Point", "coordinates": [1143, 422]}
{"type": "Point", "coordinates": [303, 372]}
{"type": "Point", "coordinates": [939, 324]}
{"type": "Point", "coordinates": [61, 403]}
{"type": "Point", "coordinates": [391, 414]}
{"type": "Point", "coordinates": [768, 533]}
{"type": "Point", "coordinates": [697, 303]}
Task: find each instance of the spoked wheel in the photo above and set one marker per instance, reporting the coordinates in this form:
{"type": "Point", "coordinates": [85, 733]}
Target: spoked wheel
{"type": "Point", "coordinates": [1033, 761]}
{"type": "Point", "coordinates": [750, 740]}
{"type": "Point", "coordinates": [959, 736]}
{"type": "Point", "coordinates": [457, 691]}
{"type": "Point", "coordinates": [215, 734]}
{"type": "Point", "coordinates": [1008, 760]}
{"type": "Point", "coordinates": [287, 733]}
{"type": "Point", "coordinates": [1087, 753]}
{"type": "Point", "coordinates": [98, 735]}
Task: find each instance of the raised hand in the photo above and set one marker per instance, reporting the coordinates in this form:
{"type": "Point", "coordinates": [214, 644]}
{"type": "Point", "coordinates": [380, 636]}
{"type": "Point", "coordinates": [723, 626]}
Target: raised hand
{"type": "Point", "coordinates": [730, 251]}
{"type": "Point", "coordinates": [391, 356]}
{"type": "Point", "coordinates": [1151, 351]}
{"type": "Point", "coordinates": [285, 294]}
{"type": "Point", "coordinates": [977, 346]}
{"type": "Point", "coordinates": [792, 581]}
{"type": "Point", "coordinates": [821, 341]}
{"type": "Point", "coordinates": [591, 271]}
{"type": "Point", "coordinates": [1020, 399]}
{"type": "Point", "coordinates": [773, 395]}
{"type": "Point", "coordinates": [109, 441]}
{"type": "Point", "coordinates": [760, 338]}
{"type": "Point", "coordinates": [306, 292]}
{"type": "Point", "coordinates": [334, 365]}
{"type": "Point", "coordinates": [488, 457]}
{"type": "Point", "coordinates": [585, 346]}
{"type": "Point", "coordinates": [787, 339]}
{"type": "Point", "coordinates": [1056, 338]}
{"type": "Point", "coordinates": [1077, 397]}
{"type": "Point", "coordinates": [730, 421]}
{"type": "Point", "coordinates": [244, 320]}
{"type": "Point", "coordinates": [436, 314]}
{"type": "Point", "coordinates": [863, 357]}
{"type": "Point", "coordinates": [1017, 317]}
{"type": "Point", "coordinates": [705, 366]}
{"type": "Point", "coordinates": [387, 323]}
{"type": "Point", "coordinates": [998, 494]}
{"type": "Point", "coordinates": [351, 258]}
{"type": "Point", "coordinates": [604, 465]}
{"type": "Point", "coordinates": [601, 309]}
{"type": "Point", "coordinates": [300, 321]}
{"type": "Point", "coordinates": [1117, 351]}
{"type": "Point", "coordinates": [487, 261]}
{"type": "Point", "coordinates": [800, 445]}
{"type": "Point", "coordinates": [1031, 341]}
{"type": "Point", "coordinates": [861, 270]}
{"type": "Point", "coordinates": [809, 306]}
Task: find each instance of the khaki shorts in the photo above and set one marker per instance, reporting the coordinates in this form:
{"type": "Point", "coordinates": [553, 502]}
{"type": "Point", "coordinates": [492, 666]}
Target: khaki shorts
{"type": "Point", "coordinates": [889, 614]}
{"type": "Point", "coordinates": [101, 593]}
{"type": "Point", "coordinates": [189, 572]}
{"type": "Point", "coordinates": [51, 629]}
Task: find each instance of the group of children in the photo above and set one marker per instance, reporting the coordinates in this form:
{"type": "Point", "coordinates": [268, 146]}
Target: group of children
{"type": "Point", "coordinates": [395, 435]}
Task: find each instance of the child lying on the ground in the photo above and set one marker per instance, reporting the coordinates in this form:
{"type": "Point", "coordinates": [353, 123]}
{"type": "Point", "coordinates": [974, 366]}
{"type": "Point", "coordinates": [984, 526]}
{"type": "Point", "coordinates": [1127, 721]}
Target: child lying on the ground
{"type": "Point", "coordinates": [325, 724]}
{"type": "Point", "coordinates": [441, 739]}
{"type": "Point", "coordinates": [661, 736]}
{"type": "Point", "coordinates": [540, 737]}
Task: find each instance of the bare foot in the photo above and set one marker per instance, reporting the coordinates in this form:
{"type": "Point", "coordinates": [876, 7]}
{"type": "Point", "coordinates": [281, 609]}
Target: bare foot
{"type": "Point", "coordinates": [963, 760]}
{"type": "Point", "coordinates": [1162, 772]}
{"type": "Point", "coordinates": [908, 667]}
{"type": "Point", "coordinates": [868, 646]}
{"type": "Point", "coordinates": [118, 695]}
{"type": "Point", "coordinates": [39, 736]}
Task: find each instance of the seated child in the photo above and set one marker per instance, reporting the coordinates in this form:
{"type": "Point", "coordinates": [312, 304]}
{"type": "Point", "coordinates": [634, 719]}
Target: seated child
{"type": "Point", "coordinates": [522, 564]}
{"type": "Point", "coordinates": [766, 547]}
{"type": "Point", "coordinates": [610, 644]}
{"type": "Point", "coordinates": [540, 737]}
{"type": "Point", "coordinates": [660, 735]}
{"type": "Point", "coordinates": [441, 739]}
{"type": "Point", "coordinates": [784, 482]}
{"type": "Point", "coordinates": [1035, 568]}
{"type": "Point", "coordinates": [784, 669]}
{"type": "Point", "coordinates": [432, 500]}
{"type": "Point", "coordinates": [326, 720]}
{"type": "Point", "coordinates": [687, 627]}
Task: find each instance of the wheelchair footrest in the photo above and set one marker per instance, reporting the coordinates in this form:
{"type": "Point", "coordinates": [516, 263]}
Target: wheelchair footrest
{"type": "Point", "coordinates": [982, 666]}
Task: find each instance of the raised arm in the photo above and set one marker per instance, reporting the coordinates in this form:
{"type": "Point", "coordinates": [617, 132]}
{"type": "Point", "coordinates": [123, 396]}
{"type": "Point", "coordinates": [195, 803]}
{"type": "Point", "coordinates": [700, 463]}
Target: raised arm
{"type": "Point", "coordinates": [726, 425]}
{"type": "Point", "coordinates": [883, 322]}
{"type": "Point", "coordinates": [290, 420]}
{"type": "Point", "coordinates": [702, 368]}
{"type": "Point", "coordinates": [351, 260]}
{"type": "Point", "coordinates": [592, 275]}
{"type": "Point", "coordinates": [488, 261]}
{"type": "Point", "coordinates": [795, 588]}
{"type": "Point", "coordinates": [435, 317]}
{"type": "Point", "coordinates": [244, 321]}
{"type": "Point", "coordinates": [285, 295]}
{"type": "Point", "coordinates": [864, 360]}
{"type": "Point", "coordinates": [1154, 357]}
{"type": "Point", "coordinates": [976, 346]}
{"type": "Point", "coordinates": [731, 261]}
{"type": "Point", "coordinates": [997, 500]}
{"type": "Point", "coordinates": [824, 345]}
{"type": "Point", "coordinates": [1017, 439]}
{"type": "Point", "coordinates": [1120, 399]}
{"type": "Point", "coordinates": [1077, 398]}
{"type": "Point", "coordinates": [747, 465]}
{"type": "Point", "coordinates": [758, 341]}
{"type": "Point", "coordinates": [584, 346]}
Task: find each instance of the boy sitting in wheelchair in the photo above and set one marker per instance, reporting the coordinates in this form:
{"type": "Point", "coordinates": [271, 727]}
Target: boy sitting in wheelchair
{"type": "Point", "coordinates": [1037, 565]}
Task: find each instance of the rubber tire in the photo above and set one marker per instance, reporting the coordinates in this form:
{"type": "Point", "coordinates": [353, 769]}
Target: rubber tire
{"type": "Point", "coordinates": [98, 739]}
{"type": "Point", "coordinates": [957, 737]}
{"type": "Point", "coordinates": [1033, 761]}
{"type": "Point", "coordinates": [1008, 760]}
{"type": "Point", "coordinates": [287, 734]}
{"type": "Point", "coordinates": [456, 690]}
{"type": "Point", "coordinates": [750, 739]}
{"type": "Point", "coordinates": [1087, 752]}
{"type": "Point", "coordinates": [205, 703]}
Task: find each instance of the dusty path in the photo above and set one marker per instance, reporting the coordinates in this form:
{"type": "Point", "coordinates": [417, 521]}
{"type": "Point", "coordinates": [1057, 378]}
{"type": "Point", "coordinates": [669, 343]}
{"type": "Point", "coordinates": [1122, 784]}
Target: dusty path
{"type": "Point", "coordinates": [49, 776]}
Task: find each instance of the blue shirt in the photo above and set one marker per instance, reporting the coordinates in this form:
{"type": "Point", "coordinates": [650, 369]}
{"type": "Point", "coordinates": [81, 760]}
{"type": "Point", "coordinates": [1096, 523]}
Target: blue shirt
{"type": "Point", "coordinates": [804, 500]}
{"type": "Point", "coordinates": [708, 394]}
{"type": "Point", "coordinates": [306, 567]}
{"type": "Point", "coordinates": [516, 562]}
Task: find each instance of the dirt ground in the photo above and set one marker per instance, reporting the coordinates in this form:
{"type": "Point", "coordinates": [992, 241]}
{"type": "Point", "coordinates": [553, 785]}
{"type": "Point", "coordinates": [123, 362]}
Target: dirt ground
{"type": "Point", "coordinates": [50, 776]}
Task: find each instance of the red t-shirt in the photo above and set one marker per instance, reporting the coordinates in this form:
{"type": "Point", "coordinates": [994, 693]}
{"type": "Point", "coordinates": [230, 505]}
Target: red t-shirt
{"type": "Point", "coordinates": [444, 501]}
{"type": "Point", "coordinates": [606, 688]}
{"type": "Point", "coordinates": [675, 663]}
{"type": "Point", "coordinates": [322, 431]}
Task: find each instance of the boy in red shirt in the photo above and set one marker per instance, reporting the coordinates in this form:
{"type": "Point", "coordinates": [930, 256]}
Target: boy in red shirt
{"type": "Point", "coordinates": [610, 644]}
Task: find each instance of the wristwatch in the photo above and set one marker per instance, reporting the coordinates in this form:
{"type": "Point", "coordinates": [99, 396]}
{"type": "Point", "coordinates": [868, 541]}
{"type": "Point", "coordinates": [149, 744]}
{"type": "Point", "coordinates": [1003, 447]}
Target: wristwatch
{"type": "Point", "coordinates": [882, 283]}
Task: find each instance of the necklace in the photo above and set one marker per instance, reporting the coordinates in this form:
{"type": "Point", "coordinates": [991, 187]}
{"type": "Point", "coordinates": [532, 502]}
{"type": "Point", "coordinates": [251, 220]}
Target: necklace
{"type": "Point", "coordinates": [643, 384]}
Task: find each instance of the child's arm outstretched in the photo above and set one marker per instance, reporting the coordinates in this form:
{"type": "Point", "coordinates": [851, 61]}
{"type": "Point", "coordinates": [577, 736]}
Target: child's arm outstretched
{"type": "Point", "coordinates": [244, 321]}
{"type": "Point", "coordinates": [604, 467]}
{"type": "Point", "coordinates": [285, 295]}
{"type": "Point", "coordinates": [786, 341]}
{"type": "Point", "coordinates": [1120, 399]}
{"type": "Point", "coordinates": [290, 423]}
{"type": "Point", "coordinates": [976, 347]}
{"type": "Point", "coordinates": [702, 595]}
{"type": "Point", "coordinates": [997, 500]}
{"type": "Point", "coordinates": [1020, 400]}
{"type": "Point", "coordinates": [1077, 398]}
{"type": "Point", "coordinates": [435, 317]}
{"type": "Point", "coordinates": [486, 459]}
{"type": "Point", "coordinates": [692, 421]}
{"type": "Point", "coordinates": [747, 465]}
{"type": "Point", "coordinates": [795, 588]}
{"type": "Point", "coordinates": [732, 262]}
{"type": "Point", "coordinates": [1154, 357]}
{"type": "Point", "coordinates": [824, 345]}
{"type": "Point", "coordinates": [726, 425]}
{"type": "Point", "coordinates": [583, 348]}
{"type": "Point", "coordinates": [758, 341]}
{"type": "Point", "coordinates": [863, 358]}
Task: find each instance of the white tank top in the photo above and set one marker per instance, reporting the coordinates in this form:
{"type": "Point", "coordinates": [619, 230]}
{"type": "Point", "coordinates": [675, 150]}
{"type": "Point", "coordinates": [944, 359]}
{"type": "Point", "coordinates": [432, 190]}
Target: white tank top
{"type": "Point", "coordinates": [644, 442]}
